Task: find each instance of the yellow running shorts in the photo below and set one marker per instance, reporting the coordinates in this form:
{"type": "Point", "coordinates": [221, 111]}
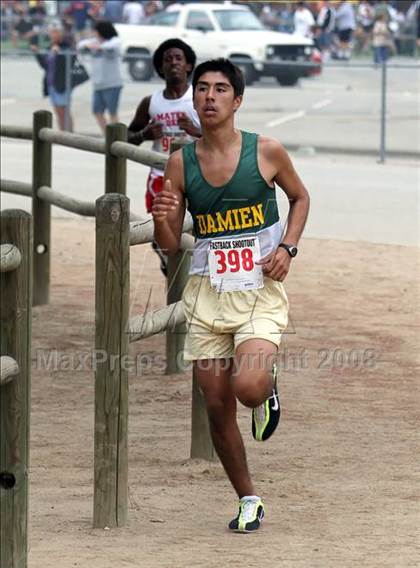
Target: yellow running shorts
{"type": "Point", "coordinates": [218, 323]}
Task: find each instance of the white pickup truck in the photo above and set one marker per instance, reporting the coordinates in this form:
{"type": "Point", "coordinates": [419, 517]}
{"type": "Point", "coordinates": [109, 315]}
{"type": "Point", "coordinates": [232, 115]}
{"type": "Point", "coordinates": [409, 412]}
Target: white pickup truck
{"type": "Point", "coordinates": [220, 30]}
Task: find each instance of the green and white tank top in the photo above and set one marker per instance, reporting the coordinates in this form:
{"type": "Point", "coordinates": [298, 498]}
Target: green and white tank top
{"type": "Point", "coordinates": [246, 205]}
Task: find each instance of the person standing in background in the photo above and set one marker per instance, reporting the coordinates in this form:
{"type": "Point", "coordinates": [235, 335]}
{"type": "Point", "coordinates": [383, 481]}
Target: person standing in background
{"type": "Point", "coordinates": [96, 11]}
{"type": "Point", "coordinates": [79, 13]}
{"type": "Point", "coordinates": [382, 9]}
{"type": "Point", "coordinates": [304, 21]}
{"type": "Point", "coordinates": [113, 11]}
{"type": "Point", "coordinates": [365, 19]}
{"type": "Point", "coordinates": [396, 26]}
{"type": "Point", "coordinates": [54, 82]}
{"type": "Point", "coordinates": [106, 71]}
{"type": "Point", "coordinates": [413, 16]}
{"type": "Point", "coordinates": [133, 13]}
{"type": "Point", "coordinates": [382, 40]}
{"type": "Point", "coordinates": [325, 22]}
{"type": "Point", "coordinates": [285, 18]}
{"type": "Point", "coordinates": [345, 25]}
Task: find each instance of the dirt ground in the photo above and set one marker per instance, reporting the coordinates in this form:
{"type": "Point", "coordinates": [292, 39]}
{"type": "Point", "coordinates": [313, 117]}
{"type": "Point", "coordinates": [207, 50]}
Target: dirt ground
{"type": "Point", "coordinates": [339, 478]}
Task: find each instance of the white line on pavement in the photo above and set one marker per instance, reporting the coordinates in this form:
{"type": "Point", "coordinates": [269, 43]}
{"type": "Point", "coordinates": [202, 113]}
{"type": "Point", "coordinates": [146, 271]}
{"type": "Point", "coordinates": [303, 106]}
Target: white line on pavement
{"type": "Point", "coordinates": [322, 104]}
{"type": "Point", "coordinates": [286, 118]}
{"type": "Point", "coordinates": [5, 102]}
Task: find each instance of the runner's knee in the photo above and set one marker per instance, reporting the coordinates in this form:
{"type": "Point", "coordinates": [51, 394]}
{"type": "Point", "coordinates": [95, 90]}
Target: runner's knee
{"type": "Point", "coordinates": [253, 388]}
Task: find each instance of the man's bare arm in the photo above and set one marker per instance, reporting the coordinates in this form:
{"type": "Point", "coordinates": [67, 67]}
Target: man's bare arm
{"type": "Point", "coordinates": [140, 121]}
{"type": "Point", "coordinates": [279, 168]}
{"type": "Point", "coordinates": [169, 206]}
{"type": "Point", "coordinates": [288, 179]}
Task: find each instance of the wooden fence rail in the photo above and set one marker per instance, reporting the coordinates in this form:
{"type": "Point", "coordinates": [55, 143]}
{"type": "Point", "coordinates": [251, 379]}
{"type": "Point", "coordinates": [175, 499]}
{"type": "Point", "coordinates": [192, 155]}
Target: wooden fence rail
{"type": "Point", "coordinates": [84, 208]}
{"type": "Point", "coordinates": [142, 232]}
{"type": "Point", "coordinates": [139, 155]}
{"type": "Point", "coordinates": [15, 349]}
{"type": "Point", "coordinates": [10, 257]}
{"type": "Point", "coordinates": [8, 369]}
{"type": "Point", "coordinates": [17, 187]}
{"type": "Point", "coordinates": [70, 140]}
{"type": "Point", "coordinates": [154, 322]}
{"type": "Point", "coordinates": [17, 132]}
{"type": "Point", "coordinates": [113, 329]}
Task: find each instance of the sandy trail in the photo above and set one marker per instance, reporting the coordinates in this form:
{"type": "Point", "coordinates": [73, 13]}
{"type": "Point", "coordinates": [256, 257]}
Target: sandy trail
{"type": "Point", "coordinates": [338, 477]}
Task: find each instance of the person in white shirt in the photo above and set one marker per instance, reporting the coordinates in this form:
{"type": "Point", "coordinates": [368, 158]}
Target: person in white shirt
{"type": "Point", "coordinates": [345, 24]}
{"type": "Point", "coordinates": [365, 19]}
{"type": "Point", "coordinates": [303, 20]}
{"type": "Point", "coordinates": [105, 51]}
{"type": "Point", "coordinates": [168, 113]}
{"type": "Point", "coordinates": [133, 13]}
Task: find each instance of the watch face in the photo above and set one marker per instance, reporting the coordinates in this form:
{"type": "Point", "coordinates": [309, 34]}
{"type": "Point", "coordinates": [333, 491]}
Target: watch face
{"type": "Point", "coordinates": [293, 251]}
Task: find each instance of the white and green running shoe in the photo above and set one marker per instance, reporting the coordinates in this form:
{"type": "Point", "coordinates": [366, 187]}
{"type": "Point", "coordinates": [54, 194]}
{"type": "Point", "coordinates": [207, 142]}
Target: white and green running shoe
{"type": "Point", "coordinates": [266, 416]}
{"type": "Point", "coordinates": [251, 513]}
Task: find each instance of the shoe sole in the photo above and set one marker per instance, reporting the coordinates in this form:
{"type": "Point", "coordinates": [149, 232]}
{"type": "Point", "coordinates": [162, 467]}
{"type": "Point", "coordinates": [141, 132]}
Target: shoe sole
{"type": "Point", "coordinates": [262, 437]}
{"type": "Point", "coordinates": [245, 531]}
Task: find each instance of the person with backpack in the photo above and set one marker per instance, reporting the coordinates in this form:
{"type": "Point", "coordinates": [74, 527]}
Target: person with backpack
{"type": "Point", "coordinates": [55, 63]}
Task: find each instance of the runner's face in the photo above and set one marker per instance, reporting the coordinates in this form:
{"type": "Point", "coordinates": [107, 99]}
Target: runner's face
{"type": "Point", "coordinates": [214, 98]}
{"type": "Point", "coordinates": [174, 65]}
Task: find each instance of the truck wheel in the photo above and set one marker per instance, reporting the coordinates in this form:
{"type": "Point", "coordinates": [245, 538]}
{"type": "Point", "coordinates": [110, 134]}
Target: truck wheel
{"type": "Point", "coordinates": [287, 80]}
{"type": "Point", "coordinates": [140, 69]}
{"type": "Point", "coordinates": [248, 69]}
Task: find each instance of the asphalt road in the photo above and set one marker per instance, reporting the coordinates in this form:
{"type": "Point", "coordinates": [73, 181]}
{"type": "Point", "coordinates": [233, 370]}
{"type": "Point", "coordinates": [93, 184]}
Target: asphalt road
{"type": "Point", "coordinates": [340, 109]}
{"type": "Point", "coordinates": [353, 197]}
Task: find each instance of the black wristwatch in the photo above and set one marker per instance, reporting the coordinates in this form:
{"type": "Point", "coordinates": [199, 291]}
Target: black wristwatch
{"type": "Point", "coordinates": [291, 249]}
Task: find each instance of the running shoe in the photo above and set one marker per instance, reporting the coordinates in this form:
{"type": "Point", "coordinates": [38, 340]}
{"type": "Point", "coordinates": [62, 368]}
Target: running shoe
{"type": "Point", "coordinates": [266, 416]}
{"type": "Point", "coordinates": [250, 515]}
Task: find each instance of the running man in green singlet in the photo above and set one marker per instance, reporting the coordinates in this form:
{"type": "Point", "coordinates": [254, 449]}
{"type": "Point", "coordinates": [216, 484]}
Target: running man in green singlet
{"type": "Point", "coordinates": [234, 301]}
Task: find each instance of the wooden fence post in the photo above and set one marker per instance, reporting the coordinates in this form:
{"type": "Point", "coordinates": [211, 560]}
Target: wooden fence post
{"type": "Point", "coordinates": [111, 373]}
{"type": "Point", "coordinates": [15, 341]}
{"type": "Point", "coordinates": [41, 210]}
{"type": "Point", "coordinates": [201, 442]}
{"type": "Point", "coordinates": [177, 277]}
{"type": "Point", "coordinates": [178, 270]}
{"type": "Point", "coordinates": [115, 167]}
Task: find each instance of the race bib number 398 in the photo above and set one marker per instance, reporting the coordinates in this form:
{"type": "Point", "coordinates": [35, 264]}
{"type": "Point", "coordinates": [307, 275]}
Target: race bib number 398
{"type": "Point", "coordinates": [232, 264]}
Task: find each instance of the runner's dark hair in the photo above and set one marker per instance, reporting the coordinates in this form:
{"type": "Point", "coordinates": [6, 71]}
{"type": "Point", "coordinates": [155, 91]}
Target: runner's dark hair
{"type": "Point", "coordinates": [232, 73]}
{"type": "Point", "coordinates": [105, 29]}
{"type": "Point", "coordinates": [169, 44]}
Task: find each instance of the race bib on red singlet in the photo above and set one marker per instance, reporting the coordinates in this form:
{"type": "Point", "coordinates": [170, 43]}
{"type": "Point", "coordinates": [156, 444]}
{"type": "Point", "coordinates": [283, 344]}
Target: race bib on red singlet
{"type": "Point", "coordinates": [170, 130]}
{"type": "Point", "coordinates": [232, 264]}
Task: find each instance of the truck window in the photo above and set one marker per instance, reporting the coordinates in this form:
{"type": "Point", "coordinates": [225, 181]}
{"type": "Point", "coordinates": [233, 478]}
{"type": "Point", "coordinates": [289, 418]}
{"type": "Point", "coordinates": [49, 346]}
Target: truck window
{"type": "Point", "coordinates": [230, 20]}
{"type": "Point", "coordinates": [164, 19]}
{"type": "Point", "coordinates": [199, 20]}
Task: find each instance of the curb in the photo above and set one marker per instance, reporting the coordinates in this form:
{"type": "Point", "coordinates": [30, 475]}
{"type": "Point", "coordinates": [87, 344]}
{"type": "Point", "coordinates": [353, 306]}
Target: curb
{"type": "Point", "coordinates": [312, 150]}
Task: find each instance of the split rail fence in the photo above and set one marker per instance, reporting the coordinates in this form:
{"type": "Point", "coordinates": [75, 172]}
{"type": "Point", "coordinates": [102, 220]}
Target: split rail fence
{"type": "Point", "coordinates": [116, 232]}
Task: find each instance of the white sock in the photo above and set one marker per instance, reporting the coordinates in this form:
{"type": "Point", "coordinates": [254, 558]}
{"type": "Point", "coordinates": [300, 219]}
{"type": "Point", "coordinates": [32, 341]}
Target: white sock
{"type": "Point", "coordinates": [249, 498]}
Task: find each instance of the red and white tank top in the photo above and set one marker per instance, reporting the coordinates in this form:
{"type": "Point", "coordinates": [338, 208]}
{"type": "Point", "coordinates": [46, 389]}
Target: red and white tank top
{"type": "Point", "coordinates": [167, 112]}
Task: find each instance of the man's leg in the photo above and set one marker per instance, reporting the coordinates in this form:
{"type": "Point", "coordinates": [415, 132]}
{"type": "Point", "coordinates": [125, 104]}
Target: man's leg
{"type": "Point", "coordinates": [101, 120]}
{"type": "Point", "coordinates": [64, 118]}
{"type": "Point", "coordinates": [252, 380]}
{"type": "Point", "coordinates": [255, 385]}
{"type": "Point", "coordinates": [214, 378]}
